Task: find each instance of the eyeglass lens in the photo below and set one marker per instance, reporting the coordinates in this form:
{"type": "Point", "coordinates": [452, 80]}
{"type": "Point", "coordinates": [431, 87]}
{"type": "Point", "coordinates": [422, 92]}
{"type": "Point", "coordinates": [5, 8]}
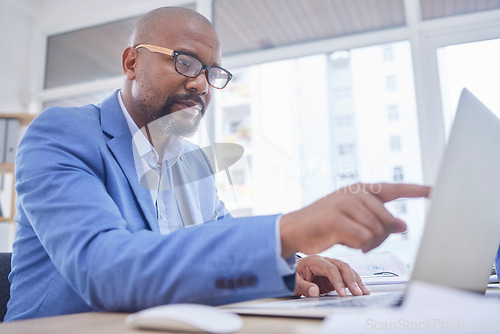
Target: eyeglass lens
{"type": "Point", "coordinates": [191, 67]}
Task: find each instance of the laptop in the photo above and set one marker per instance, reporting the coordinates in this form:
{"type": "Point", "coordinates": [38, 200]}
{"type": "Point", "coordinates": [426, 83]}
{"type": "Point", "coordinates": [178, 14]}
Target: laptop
{"type": "Point", "coordinates": [462, 230]}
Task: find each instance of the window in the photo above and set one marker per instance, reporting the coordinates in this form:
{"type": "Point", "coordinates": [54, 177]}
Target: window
{"type": "Point", "coordinates": [306, 142]}
{"type": "Point", "coordinates": [388, 54]}
{"type": "Point", "coordinates": [347, 149]}
{"type": "Point", "coordinates": [399, 207]}
{"type": "Point", "coordinates": [392, 113]}
{"type": "Point", "coordinates": [472, 65]}
{"type": "Point", "coordinates": [342, 92]}
{"type": "Point", "coordinates": [345, 120]}
{"type": "Point", "coordinates": [395, 143]}
{"type": "Point", "coordinates": [78, 100]}
{"type": "Point", "coordinates": [390, 83]}
{"type": "Point", "coordinates": [348, 175]}
{"type": "Point", "coordinates": [340, 59]}
{"type": "Point", "coordinates": [87, 54]}
{"type": "Point", "coordinates": [398, 174]}
{"type": "Point", "coordinates": [441, 8]}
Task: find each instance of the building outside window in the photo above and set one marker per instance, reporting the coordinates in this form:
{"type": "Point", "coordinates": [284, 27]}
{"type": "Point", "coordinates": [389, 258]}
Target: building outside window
{"type": "Point", "coordinates": [388, 54]}
{"type": "Point", "coordinates": [347, 149]}
{"type": "Point", "coordinates": [395, 143]}
{"type": "Point", "coordinates": [398, 174]}
{"type": "Point", "coordinates": [390, 83]}
{"type": "Point", "coordinates": [392, 113]}
{"type": "Point", "coordinates": [307, 142]}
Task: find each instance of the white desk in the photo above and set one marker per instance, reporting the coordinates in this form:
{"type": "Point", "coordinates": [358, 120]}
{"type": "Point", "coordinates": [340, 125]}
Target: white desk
{"type": "Point", "coordinates": [110, 323]}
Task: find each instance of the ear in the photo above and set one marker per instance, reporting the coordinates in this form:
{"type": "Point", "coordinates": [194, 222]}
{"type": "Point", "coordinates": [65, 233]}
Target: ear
{"type": "Point", "coordinates": [129, 61]}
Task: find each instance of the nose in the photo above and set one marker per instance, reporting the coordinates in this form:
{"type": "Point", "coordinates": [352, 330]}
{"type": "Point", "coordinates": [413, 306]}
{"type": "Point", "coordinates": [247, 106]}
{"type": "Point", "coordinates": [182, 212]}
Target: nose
{"type": "Point", "coordinates": [199, 83]}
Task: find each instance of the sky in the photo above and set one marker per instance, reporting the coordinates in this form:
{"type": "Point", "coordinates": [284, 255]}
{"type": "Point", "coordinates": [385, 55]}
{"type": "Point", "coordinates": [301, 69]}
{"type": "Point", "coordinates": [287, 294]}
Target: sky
{"type": "Point", "coordinates": [475, 66]}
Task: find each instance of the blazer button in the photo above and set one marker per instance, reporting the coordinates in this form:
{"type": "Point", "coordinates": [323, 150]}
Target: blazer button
{"type": "Point", "coordinates": [230, 284]}
{"type": "Point", "coordinates": [240, 282]}
{"type": "Point", "coordinates": [219, 284]}
{"type": "Point", "coordinates": [251, 280]}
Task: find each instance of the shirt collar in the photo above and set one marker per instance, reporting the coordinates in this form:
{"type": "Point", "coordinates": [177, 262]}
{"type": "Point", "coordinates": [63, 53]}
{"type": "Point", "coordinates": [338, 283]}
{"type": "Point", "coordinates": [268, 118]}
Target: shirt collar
{"type": "Point", "coordinates": [171, 151]}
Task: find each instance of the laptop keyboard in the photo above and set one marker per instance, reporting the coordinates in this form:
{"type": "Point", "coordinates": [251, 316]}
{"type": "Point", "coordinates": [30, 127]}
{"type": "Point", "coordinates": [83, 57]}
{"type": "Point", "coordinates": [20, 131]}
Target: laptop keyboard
{"type": "Point", "coordinates": [380, 299]}
{"type": "Point", "coordinates": [374, 300]}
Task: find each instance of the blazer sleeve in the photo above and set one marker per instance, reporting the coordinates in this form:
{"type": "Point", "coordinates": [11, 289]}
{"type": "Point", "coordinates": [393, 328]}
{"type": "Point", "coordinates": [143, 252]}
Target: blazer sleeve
{"type": "Point", "coordinates": [61, 176]}
{"type": "Point", "coordinates": [497, 264]}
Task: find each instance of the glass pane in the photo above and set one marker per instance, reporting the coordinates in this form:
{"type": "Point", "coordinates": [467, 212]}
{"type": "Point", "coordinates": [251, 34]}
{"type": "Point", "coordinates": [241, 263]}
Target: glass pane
{"type": "Point", "coordinates": [441, 8]}
{"type": "Point", "coordinates": [77, 101]}
{"type": "Point", "coordinates": [88, 54]}
{"type": "Point", "coordinates": [474, 66]}
{"type": "Point", "coordinates": [314, 124]}
{"type": "Point", "coordinates": [249, 25]}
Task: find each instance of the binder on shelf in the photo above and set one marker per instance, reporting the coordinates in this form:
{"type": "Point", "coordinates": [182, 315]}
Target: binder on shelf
{"type": "Point", "coordinates": [12, 139]}
{"type": "Point", "coordinates": [3, 136]}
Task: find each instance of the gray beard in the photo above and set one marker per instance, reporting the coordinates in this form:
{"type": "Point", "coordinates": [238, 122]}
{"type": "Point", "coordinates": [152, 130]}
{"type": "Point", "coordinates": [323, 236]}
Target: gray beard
{"type": "Point", "coordinates": [169, 125]}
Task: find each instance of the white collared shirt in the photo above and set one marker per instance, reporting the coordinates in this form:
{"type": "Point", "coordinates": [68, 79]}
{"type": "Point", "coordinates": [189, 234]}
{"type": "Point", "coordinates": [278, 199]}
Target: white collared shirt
{"type": "Point", "coordinates": [157, 177]}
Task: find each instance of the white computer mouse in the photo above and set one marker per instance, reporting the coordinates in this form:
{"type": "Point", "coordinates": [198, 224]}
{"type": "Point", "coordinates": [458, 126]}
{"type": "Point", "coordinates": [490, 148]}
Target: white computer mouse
{"type": "Point", "coordinates": [192, 318]}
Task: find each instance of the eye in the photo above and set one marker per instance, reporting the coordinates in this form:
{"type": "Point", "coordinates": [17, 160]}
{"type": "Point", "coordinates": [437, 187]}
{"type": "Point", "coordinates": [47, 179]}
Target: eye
{"type": "Point", "coordinates": [184, 61]}
{"type": "Point", "coordinates": [188, 65]}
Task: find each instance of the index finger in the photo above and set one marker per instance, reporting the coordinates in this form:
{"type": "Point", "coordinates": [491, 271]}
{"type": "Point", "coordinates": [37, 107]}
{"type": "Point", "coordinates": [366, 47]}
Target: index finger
{"type": "Point", "coordinates": [387, 192]}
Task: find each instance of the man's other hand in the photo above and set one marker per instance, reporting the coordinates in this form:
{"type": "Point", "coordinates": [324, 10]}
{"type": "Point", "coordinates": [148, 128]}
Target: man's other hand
{"type": "Point", "coordinates": [317, 274]}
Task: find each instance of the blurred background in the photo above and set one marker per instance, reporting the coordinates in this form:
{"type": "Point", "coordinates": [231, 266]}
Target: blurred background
{"type": "Point", "coordinates": [325, 92]}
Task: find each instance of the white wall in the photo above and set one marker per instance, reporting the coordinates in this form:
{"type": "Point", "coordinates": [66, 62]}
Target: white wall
{"type": "Point", "coordinates": [63, 15]}
{"type": "Point", "coordinates": [17, 27]}
{"type": "Point", "coordinates": [24, 25]}
{"type": "Point", "coordinates": [16, 40]}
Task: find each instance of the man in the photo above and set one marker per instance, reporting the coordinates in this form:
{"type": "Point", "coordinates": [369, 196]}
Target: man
{"type": "Point", "coordinates": [105, 194]}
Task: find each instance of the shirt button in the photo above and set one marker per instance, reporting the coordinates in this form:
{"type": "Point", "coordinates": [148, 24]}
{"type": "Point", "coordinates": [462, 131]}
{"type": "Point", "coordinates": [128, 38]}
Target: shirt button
{"type": "Point", "coordinates": [161, 215]}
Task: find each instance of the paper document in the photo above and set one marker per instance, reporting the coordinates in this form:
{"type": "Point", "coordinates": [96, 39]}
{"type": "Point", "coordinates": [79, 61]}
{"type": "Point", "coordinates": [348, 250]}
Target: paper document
{"type": "Point", "coordinates": [378, 267]}
{"type": "Point", "coordinates": [427, 309]}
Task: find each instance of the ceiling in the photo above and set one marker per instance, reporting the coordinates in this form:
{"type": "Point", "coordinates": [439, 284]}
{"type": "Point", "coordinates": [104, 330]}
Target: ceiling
{"type": "Point", "coordinates": [244, 26]}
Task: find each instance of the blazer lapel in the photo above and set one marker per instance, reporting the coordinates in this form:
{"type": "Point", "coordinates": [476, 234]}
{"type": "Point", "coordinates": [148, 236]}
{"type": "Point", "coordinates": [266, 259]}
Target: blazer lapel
{"type": "Point", "coordinates": [114, 124]}
{"type": "Point", "coordinates": [186, 193]}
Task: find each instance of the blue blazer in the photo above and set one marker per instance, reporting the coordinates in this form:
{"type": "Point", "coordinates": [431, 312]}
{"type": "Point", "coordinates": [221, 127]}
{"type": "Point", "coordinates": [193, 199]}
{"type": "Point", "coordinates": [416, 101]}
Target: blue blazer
{"type": "Point", "coordinates": [88, 237]}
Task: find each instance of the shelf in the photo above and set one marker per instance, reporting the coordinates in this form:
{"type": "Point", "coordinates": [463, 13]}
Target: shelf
{"type": "Point", "coordinates": [8, 169]}
{"type": "Point", "coordinates": [25, 119]}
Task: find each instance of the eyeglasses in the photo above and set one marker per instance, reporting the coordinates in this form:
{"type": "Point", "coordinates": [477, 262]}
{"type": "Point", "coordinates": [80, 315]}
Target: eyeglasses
{"type": "Point", "coordinates": [191, 67]}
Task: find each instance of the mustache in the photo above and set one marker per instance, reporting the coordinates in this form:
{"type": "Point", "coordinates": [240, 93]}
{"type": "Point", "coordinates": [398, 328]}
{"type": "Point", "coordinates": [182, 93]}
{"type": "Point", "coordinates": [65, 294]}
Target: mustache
{"type": "Point", "coordinates": [169, 102]}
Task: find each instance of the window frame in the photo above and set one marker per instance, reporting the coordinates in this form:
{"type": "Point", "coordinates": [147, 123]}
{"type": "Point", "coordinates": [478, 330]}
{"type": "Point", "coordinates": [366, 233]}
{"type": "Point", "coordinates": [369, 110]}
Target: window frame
{"type": "Point", "coordinates": [425, 37]}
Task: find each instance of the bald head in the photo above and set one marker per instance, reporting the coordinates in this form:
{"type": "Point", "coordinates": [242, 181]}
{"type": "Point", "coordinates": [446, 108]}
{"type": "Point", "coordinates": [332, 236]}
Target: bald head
{"type": "Point", "coordinates": [158, 20]}
{"type": "Point", "coordinates": [153, 87]}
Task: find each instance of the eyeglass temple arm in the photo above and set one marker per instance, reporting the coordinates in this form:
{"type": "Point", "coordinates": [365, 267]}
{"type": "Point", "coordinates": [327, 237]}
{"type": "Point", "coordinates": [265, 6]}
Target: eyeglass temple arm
{"type": "Point", "coordinates": [154, 48]}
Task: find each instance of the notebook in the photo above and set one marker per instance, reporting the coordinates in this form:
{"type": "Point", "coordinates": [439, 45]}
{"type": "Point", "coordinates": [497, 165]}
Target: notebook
{"type": "Point", "coordinates": [462, 229]}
